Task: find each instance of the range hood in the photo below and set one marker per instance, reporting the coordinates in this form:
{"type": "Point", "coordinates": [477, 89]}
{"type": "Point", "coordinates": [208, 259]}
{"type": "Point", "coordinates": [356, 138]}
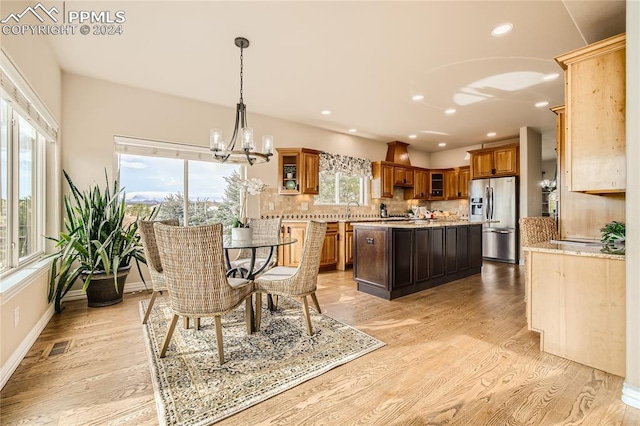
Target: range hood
{"type": "Point", "coordinates": [397, 153]}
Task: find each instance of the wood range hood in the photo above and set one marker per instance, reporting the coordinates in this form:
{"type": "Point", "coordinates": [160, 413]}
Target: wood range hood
{"type": "Point", "coordinates": [397, 153]}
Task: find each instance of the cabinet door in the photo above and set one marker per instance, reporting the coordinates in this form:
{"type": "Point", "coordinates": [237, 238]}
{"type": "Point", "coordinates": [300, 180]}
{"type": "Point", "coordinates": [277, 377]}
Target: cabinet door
{"type": "Point", "coordinates": [386, 173]}
{"type": "Point", "coordinates": [505, 161]}
{"type": "Point", "coordinates": [311, 168]}
{"type": "Point", "coordinates": [401, 252]}
{"type": "Point", "coordinates": [329, 254]}
{"type": "Point", "coordinates": [297, 231]}
{"type": "Point", "coordinates": [409, 177]}
{"type": "Point", "coordinates": [349, 247]}
{"type": "Point", "coordinates": [451, 240]}
{"type": "Point", "coordinates": [451, 184]}
{"type": "Point", "coordinates": [421, 260]}
{"type": "Point", "coordinates": [436, 252]}
{"type": "Point", "coordinates": [463, 182]}
{"type": "Point", "coordinates": [289, 172]}
{"type": "Point", "coordinates": [475, 246]}
{"type": "Point", "coordinates": [482, 164]}
{"type": "Point", "coordinates": [436, 185]}
{"type": "Point", "coordinates": [462, 248]}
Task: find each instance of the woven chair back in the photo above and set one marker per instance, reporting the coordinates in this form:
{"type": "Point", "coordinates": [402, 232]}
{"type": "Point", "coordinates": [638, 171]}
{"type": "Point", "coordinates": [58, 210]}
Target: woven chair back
{"type": "Point", "coordinates": [194, 270]}
{"type": "Point", "coordinates": [535, 230]}
{"type": "Point", "coordinates": [148, 237]}
{"type": "Point", "coordinates": [307, 276]}
{"type": "Point", "coordinates": [262, 228]}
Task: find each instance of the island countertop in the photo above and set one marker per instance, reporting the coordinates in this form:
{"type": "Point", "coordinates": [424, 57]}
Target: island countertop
{"type": "Point", "coordinates": [412, 224]}
{"type": "Point", "coordinates": [573, 250]}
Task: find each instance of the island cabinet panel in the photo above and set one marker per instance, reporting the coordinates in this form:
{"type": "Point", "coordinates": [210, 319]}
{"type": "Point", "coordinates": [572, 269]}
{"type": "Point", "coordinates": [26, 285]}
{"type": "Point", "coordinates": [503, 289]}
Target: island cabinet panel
{"type": "Point", "coordinates": [421, 259]}
{"type": "Point", "coordinates": [451, 249]}
{"type": "Point", "coordinates": [402, 263]}
{"type": "Point", "coordinates": [437, 252]}
{"type": "Point", "coordinates": [372, 268]}
{"type": "Point", "coordinates": [462, 244]}
{"type": "Point", "coordinates": [475, 246]}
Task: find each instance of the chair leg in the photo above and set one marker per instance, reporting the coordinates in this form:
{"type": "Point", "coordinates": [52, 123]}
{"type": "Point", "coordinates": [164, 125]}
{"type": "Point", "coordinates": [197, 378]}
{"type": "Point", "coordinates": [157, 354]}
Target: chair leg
{"type": "Point", "coordinates": [185, 322]}
{"type": "Point", "coordinates": [248, 313]}
{"type": "Point", "coordinates": [167, 338]}
{"type": "Point", "coordinates": [196, 323]}
{"type": "Point", "coordinates": [307, 317]}
{"type": "Point", "coordinates": [218, 321]}
{"type": "Point", "coordinates": [314, 299]}
{"type": "Point", "coordinates": [146, 314]}
{"type": "Point", "coordinates": [275, 301]}
{"type": "Point", "coordinates": [258, 310]}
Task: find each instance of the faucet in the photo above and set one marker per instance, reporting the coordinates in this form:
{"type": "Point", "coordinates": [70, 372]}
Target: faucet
{"type": "Point", "coordinates": [348, 204]}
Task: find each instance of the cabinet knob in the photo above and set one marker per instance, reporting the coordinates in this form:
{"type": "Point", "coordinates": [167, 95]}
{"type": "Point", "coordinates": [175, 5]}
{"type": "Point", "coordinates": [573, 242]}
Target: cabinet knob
{"type": "Point", "coordinates": [369, 240]}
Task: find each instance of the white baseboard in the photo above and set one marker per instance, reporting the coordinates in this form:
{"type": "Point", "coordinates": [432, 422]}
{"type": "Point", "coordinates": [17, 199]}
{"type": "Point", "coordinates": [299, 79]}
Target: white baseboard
{"type": "Point", "coordinates": [128, 288]}
{"type": "Point", "coordinates": [18, 355]}
{"type": "Point", "coordinates": [631, 395]}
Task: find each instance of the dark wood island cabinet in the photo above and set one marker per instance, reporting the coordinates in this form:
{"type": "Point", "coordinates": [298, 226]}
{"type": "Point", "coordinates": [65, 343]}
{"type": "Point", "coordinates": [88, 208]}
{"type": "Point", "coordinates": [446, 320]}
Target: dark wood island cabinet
{"type": "Point", "coordinates": [393, 260]}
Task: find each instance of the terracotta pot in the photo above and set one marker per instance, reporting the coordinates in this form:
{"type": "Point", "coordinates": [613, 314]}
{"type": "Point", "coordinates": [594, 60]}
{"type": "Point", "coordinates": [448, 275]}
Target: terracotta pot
{"type": "Point", "coordinates": [102, 291]}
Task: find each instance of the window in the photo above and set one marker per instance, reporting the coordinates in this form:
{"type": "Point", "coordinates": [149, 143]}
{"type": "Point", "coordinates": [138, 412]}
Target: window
{"type": "Point", "coordinates": [338, 188]}
{"type": "Point", "coordinates": [22, 171]}
{"type": "Point", "coordinates": [183, 181]}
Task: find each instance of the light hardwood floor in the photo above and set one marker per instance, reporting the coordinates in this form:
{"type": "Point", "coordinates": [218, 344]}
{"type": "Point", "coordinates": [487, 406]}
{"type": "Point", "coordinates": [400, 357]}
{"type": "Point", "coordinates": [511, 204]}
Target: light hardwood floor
{"type": "Point", "coordinates": [456, 354]}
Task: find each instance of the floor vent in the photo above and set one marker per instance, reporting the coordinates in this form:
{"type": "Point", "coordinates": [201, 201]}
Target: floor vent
{"type": "Point", "coordinates": [59, 348]}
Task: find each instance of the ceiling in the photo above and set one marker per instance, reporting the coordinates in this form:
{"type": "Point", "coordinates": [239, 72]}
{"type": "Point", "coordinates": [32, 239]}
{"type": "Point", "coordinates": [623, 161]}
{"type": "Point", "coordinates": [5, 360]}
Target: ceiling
{"type": "Point", "coordinates": [361, 60]}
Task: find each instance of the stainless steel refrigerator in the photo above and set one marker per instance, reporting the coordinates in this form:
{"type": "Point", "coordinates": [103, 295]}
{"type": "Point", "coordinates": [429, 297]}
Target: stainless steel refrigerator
{"type": "Point", "coordinates": [494, 203]}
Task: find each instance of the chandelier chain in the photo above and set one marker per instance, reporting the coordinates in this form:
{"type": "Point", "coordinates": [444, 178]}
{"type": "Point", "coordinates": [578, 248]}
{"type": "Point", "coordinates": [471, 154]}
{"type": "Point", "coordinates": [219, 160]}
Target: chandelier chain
{"type": "Point", "coordinates": [241, 72]}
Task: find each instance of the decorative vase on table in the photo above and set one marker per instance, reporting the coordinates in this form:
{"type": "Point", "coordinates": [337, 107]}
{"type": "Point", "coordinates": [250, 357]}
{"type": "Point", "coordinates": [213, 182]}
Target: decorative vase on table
{"type": "Point", "coordinates": [241, 234]}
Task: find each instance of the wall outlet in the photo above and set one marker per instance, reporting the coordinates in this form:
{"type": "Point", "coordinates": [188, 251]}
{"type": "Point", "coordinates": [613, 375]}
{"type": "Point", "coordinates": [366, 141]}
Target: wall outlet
{"type": "Point", "coordinates": [16, 316]}
{"type": "Point", "coordinates": [271, 206]}
{"type": "Point", "coordinates": [304, 206]}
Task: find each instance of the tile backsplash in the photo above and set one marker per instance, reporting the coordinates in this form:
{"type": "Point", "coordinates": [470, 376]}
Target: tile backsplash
{"type": "Point", "coordinates": [273, 204]}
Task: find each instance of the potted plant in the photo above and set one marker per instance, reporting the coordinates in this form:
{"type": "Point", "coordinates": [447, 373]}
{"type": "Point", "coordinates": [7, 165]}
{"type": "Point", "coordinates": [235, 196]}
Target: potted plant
{"type": "Point", "coordinates": [96, 246]}
{"type": "Point", "coordinates": [240, 227]}
{"type": "Point", "coordinates": [613, 233]}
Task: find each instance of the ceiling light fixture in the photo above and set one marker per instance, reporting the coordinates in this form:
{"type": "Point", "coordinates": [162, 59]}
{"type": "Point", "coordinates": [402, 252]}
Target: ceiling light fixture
{"type": "Point", "coordinates": [450, 111]}
{"type": "Point", "coordinates": [248, 153]}
{"type": "Point", "coordinates": [353, 130]}
{"type": "Point", "coordinates": [491, 134]}
{"type": "Point", "coordinates": [413, 136]}
{"type": "Point", "coordinates": [501, 29]}
{"type": "Point", "coordinates": [541, 104]}
{"type": "Point", "coordinates": [551, 76]}
{"type": "Point", "coordinates": [441, 144]}
{"type": "Point", "coordinates": [325, 112]}
{"type": "Point", "coordinates": [417, 97]}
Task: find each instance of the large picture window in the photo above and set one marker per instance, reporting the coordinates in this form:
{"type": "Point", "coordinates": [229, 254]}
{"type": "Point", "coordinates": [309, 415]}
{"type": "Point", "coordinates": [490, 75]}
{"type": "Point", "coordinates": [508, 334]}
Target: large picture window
{"type": "Point", "coordinates": [22, 171]}
{"type": "Point", "coordinates": [338, 188]}
{"type": "Point", "coordinates": [182, 181]}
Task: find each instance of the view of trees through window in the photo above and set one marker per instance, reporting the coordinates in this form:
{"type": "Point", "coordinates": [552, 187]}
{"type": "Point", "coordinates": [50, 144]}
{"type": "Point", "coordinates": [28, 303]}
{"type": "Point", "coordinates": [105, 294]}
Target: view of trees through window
{"type": "Point", "coordinates": [157, 182]}
{"type": "Point", "coordinates": [336, 188]}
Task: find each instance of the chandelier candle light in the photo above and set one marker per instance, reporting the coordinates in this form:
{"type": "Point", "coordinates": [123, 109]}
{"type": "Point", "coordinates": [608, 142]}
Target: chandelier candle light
{"type": "Point", "coordinates": [247, 153]}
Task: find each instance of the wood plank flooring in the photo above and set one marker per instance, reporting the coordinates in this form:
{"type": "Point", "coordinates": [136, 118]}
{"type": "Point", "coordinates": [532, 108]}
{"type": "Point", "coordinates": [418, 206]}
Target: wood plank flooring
{"type": "Point", "coordinates": [457, 354]}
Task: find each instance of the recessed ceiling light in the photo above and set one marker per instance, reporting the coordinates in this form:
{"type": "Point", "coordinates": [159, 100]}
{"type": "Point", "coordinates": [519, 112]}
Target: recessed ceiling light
{"type": "Point", "coordinates": [541, 104]}
{"type": "Point", "coordinates": [491, 134]}
{"type": "Point", "coordinates": [417, 97]}
{"type": "Point", "coordinates": [353, 130]}
{"type": "Point", "coordinates": [325, 112]}
{"type": "Point", "coordinates": [450, 111]}
{"type": "Point", "coordinates": [442, 144]}
{"type": "Point", "coordinates": [551, 76]}
{"type": "Point", "coordinates": [412, 136]}
{"type": "Point", "coordinates": [501, 29]}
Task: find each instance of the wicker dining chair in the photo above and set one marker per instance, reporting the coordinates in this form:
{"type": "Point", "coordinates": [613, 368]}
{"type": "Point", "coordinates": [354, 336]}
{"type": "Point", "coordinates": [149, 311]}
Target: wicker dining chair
{"type": "Point", "coordinates": [535, 230]}
{"type": "Point", "coordinates": [154, 265]}
{"type": "Point", "coordinates": [195, 274]}
{"type": "Point", "coordinates": [262, 228]}
{"type": "Point", "coordinates": [295, 282]}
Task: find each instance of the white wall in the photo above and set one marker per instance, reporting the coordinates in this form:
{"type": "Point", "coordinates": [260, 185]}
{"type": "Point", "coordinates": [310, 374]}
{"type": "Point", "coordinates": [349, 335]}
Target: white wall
{"type": "Point", "coordinates": [530, 172]}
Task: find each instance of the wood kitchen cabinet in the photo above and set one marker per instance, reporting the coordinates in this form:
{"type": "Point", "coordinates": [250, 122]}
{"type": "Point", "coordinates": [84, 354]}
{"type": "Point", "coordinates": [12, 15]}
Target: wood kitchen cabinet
{"type": "Point", "coordinates": [290, 254]}
{"type": "Point", "coordinates": [298, 171]}
{"type": "Point", "coordinates": [345, 245]}
{"type": "Point", "coordinates": [383, 179]}
{"type": "Point", "coordinates": [464, 175]}
{"type": "Point", "coordinates": [420, 190]}
{"type": "Point", "coordinates": [496, 161]}
{"type": "Point", "coordinates": [436, 185]}
{"type": "Point", "coordinates": [451, 184]}
{"type": "Point", "coordinates": [595, 139]}
{"type": "Point", "coordinates": [403, 176]}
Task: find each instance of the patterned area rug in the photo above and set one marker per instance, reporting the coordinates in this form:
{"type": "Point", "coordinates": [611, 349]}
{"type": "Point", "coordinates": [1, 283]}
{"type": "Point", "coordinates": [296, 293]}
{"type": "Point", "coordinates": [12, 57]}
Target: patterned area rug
{"type": "Point", "coordinates": [191, 388]}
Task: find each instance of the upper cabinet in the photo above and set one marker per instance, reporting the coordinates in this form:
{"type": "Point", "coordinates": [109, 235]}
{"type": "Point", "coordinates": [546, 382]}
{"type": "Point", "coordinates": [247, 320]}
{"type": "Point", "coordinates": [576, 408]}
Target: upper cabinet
{"type": "Point", "coordinates": [383, 179]}
{"type": "Point", "coordinates": [420, 190]}
{"type": "Point", "coordinates": [403, 176]}
{"type": "Point", "coordinates": [456, 183]}
{"type": "Point", "coordinates": [436, 184]}
{"type": "Point", "coordinates": [495, 161]}
{"type": "Point", "coordinates": [595, 117]}
{"type": "Point", "coordinates": [298, 171]}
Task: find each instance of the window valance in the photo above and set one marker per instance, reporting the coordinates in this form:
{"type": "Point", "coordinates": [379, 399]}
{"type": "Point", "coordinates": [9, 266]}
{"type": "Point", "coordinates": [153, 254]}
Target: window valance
{"type": "Point", "coordinates": [351, 166]}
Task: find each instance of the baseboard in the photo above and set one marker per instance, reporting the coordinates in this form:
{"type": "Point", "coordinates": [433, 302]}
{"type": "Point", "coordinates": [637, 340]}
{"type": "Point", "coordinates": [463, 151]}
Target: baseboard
{"type": "Point", "coordinates": [631, 395]}
{"type": "Point", "coordinates": [128, 288]}
{"type": "Point", "coordinates": [18, 355]}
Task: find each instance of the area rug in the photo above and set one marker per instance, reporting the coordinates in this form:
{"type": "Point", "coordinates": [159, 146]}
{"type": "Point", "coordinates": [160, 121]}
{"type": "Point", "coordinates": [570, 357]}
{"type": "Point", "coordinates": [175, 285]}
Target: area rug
{"type": "Point", "coordinates": [190, 386]}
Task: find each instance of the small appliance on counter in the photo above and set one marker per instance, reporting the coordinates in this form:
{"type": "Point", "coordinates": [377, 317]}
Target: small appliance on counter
{"type": "Point", "coordinates": [383, 210]}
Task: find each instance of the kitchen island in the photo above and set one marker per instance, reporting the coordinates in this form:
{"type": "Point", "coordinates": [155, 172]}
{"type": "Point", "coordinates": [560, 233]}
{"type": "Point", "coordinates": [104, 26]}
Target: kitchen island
{"type": "Point", "coordinates": [394, 259]}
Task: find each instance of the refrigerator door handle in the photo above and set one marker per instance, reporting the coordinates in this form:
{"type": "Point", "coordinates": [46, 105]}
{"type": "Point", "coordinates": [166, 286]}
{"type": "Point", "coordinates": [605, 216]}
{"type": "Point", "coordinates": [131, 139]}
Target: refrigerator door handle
{"type": "Point", "coordinates": [486, 197]}
{"type": "Point", "coordinates": [491, 192]}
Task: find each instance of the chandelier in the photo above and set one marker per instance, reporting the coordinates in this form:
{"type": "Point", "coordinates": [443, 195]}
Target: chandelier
{"type": "Point", "coordinates": [247, 152]}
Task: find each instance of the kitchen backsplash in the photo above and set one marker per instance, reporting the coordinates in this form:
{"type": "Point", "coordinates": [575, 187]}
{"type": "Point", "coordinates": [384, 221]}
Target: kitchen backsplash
{"type": "Point", "coordinates": [273, 204]}
{"type": "Point", "coordinates": [459, 207]}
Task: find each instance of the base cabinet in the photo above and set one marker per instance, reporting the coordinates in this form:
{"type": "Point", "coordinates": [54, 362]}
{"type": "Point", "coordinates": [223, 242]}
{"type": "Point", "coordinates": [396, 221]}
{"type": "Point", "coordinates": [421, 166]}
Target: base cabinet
{"type": "Point", "coordinates": [394, 262]}
{"type": "Point", "coordinates": [290, 255]}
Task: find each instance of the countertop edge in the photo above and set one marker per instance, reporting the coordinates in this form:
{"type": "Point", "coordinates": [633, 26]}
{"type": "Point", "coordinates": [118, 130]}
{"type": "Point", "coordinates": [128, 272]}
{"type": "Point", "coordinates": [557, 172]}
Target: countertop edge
{"type": "Point", "coordinates": [573, 251]}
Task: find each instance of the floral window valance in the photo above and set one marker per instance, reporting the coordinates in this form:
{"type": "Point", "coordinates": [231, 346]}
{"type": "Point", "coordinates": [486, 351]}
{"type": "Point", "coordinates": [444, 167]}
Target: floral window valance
{"type": "Point", "coordinates": [351, 166]}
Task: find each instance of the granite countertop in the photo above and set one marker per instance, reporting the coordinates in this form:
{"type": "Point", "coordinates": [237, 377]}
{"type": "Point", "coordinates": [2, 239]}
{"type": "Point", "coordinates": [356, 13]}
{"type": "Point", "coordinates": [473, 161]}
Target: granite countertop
{"type": "Point", "coordinates": [350, 220]}
{"type": "Point", "coordinates": [575, 250]}
{"type": "Point", "coordinates": [416, 223]}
